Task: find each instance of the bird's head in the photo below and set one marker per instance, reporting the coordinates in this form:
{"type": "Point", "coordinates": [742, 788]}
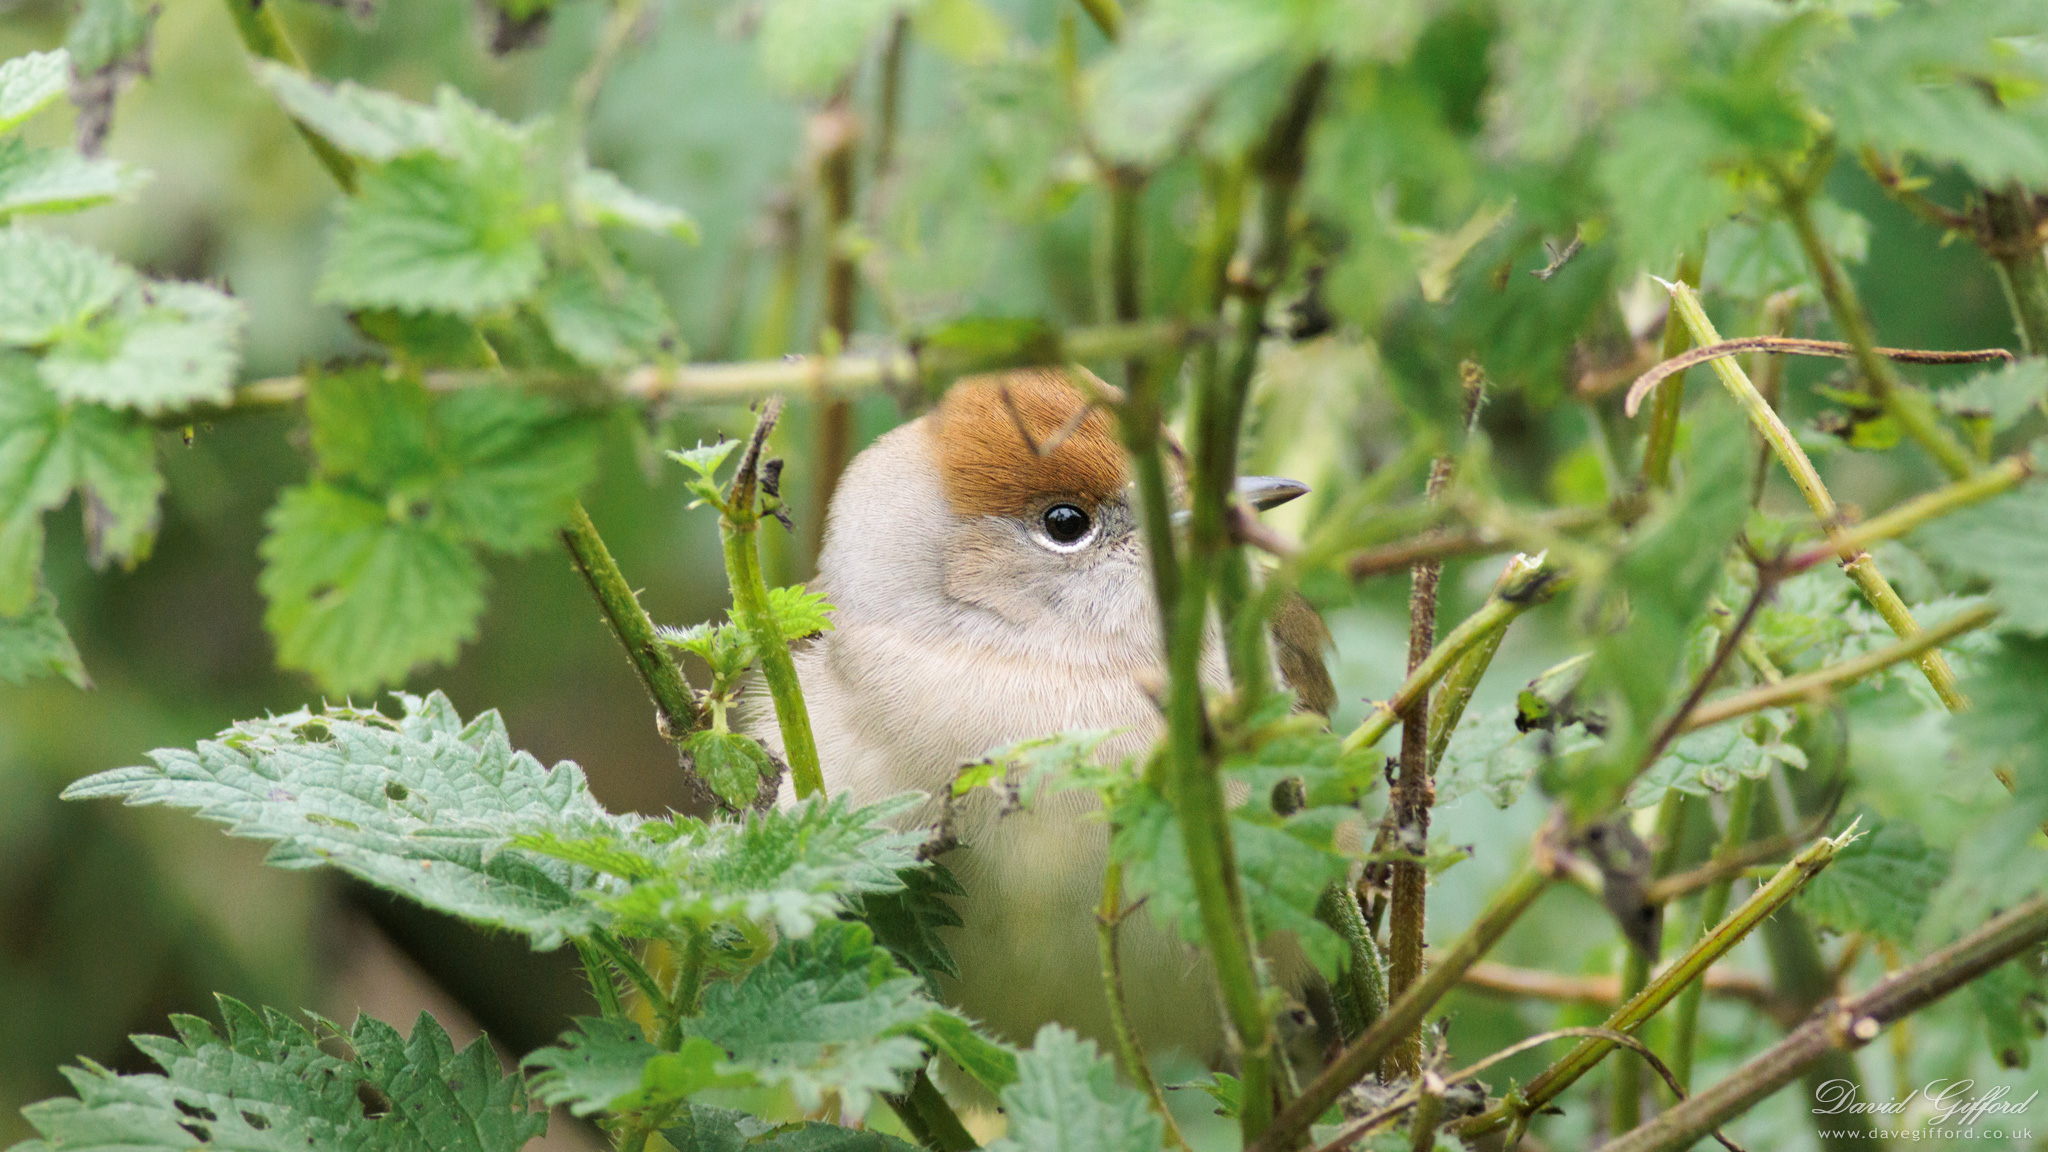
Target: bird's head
{"type": "Point", "coordinates": [1006, 513]}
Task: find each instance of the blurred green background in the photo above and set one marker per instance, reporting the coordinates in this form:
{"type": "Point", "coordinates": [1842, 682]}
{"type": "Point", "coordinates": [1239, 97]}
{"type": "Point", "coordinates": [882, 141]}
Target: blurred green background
{"type": "Point", "coordinates": [110, 918]}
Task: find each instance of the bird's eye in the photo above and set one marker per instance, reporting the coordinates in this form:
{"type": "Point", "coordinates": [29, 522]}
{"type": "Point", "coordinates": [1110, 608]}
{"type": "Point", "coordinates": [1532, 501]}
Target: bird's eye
{"type": "Point", "coordinates": [1065, 523]}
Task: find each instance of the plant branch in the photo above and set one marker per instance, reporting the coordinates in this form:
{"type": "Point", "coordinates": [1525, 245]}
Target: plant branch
{"type": "Point", "coordinates": [1663, 437]}
{"type": "Point", "coordinates": [2012, 237]}
{"type": "Point", "coordinates": [677, 713]}
{"type": "Point", "coordinates": [2001, 477]}
{"type": "Point", "coordinates": [1668, 983]}
{"type": "Point", "coordinates": [1821, 680]}
{"type": "Point", "coordinates": [603, 988]}
{"type": "Point", "coordinates": [1365, 1053]}
{"type": "Point", "coordinates": [1606, 991]}
{"type": "Point", "coordinates": [1713, 905]}
{"type": "Point", "coordinates": [1108, 918]}
{"type": "Point", "coordinates": [1796, 346]}
{"type": "Point", "coordinates": [263, 35]}
{"type": "Point", "coordinates": [1843, 1026]}
{"type": "Point", "coordinates": [1860, 568]}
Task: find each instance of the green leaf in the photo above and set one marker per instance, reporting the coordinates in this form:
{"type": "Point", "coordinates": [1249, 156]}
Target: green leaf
{"type": "Point", "coordinates": [1491, 754]}
{"type": "Point", "coordinates": [1710, 761]}
{"type": "Point", "coordinates": [907, 922]}
{"type": "Point", "coordinates": [789, 867]}
{"type": "Point", "coordinates": [28, 84]}
{"type": "Point", "coordinates": [608, 1066]}
{"type": "Point", "coordinates": [808, 46]}
{"type": "Point", "coordinates": [425, 806]}
{"type": "Point", "coordinates": [992, 1064]}
{"type": "Point", "coordinates": [2011, 997]}
{"type": "Point", "coordinates": [1659, 174]}
{"type": "Point", "coordinates": [705, 459]}
{"type": "Point", "coordinates": [1753, 257]}
{"type": "Point", "coordinates": [705, 1129]}
{"type": "Point", "coordinates": [425, 232]}
{"type": "Point", "coordinates": [2005, 541]}
{"type": "Point", "coordinates": [2002, 395]}
{"type": "Point", "coordinates": [265, 1082]}
{"type": "Point", "coordinates": [166, 346]}
{"type": "Point", "coordinates": [514, 463]}
{"type": "Point", "coordinates": [733, 764]}
{"type": "Point", "coordinates": [34, 643]}
{"type": "Point", "coordinates": [49, 284]}
{"type": "Point", "coordinates": [1566, 64]}
{"type": "Point", "coordinates": [2004, 859]}
{"type": "Point", "coordinates": [605, 326]}
{"type": "Point", "coordinates": [425, 340]}
{"type": "Point", "coordinates": [362, 122]}
{"type": "Point", "coordinates": [600, 198]}
{"type": "Point", "coordinates": [830, 1013]}
{"type": "Point", "coordinates": [49, 449]}
{"type": "Point", "coordinates": [1067, 1099]}
{"type": "Point", "coordinates": [800, 613]}
{"type": "Point", "coordinates": [42, 180]}
{"type": "Point", "coordinates": [1879, 885]}
{"type": "Point", "coordinates": [359, 597]}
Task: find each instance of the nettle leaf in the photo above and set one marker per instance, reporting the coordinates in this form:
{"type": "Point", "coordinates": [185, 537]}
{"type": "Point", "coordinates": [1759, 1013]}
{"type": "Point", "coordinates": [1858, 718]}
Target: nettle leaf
{"type": "Point", "coordinates": [601, 198]}
{"type": "Point", "coordinates": [609, 1066]}
{"type": "Point", "coordinates": [424, 232]}
{"type": "Point", "coordinates": [166, 345]}
{"type": "Point", "coordinates": [1491, 754]}
{"type": "Point", "coordinates": [49, 449]}
{"type": "Point", "coordinates": [1879, 885]}
{"type": "Point", "coordinates": [44, 180]}
{"type": "Point", "coordinates": [265, 1082]}
{"type": "Point", "coordinates": [1710, 761]}
{"type": "Point", "coordinates": [2002, 395]}
{"type": "Point", "coordinates": [2004, 860]}
{"type": "Point", "coordinates": [907, 921]}
{"type": "Point", "coordinates": [425, 806]}
{"type": "Point", "coordinates": [49, 284]}
{"type": "Point", "coordinates": [807, 46]}
{"type": "Point", "coordinates": [2011, 998]}
{"type": "Point", "coordinates": [800, 613]}
{"type": "Point", "coordinates": [1751, 257]}
{"type": "Point", "coordinates": [789, 867]}
{"type": "Point", "coordinates": [358, 596]}
{"type": "Point", "coordinates": [705, 1129]}
{"type": "Point", "coordinates": [831, 1013]}
{"type": "Point", "coordinates": [34, 643]}
{"type": "Point", "coordinates": [2003, 540]}
{"type": "Point", "coordinates": [29, 83]}
{"type": "Point", "coordinates": [605, 321]}
{"type": "Point", "coordinates": [362, 122]}
{"type": "Point", "coordinates": [733, 764]}
{"type": "Point", "coordinates": [514, 462]}
{"type": "Point", "coordinates": [1067, 1099]}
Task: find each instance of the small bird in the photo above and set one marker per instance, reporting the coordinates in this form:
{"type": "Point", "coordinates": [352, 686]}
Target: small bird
{"type": "Point", "coordinates": [990, 585]}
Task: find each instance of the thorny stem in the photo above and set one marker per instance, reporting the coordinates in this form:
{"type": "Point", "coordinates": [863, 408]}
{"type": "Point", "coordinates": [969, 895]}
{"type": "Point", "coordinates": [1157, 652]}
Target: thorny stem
{"type": "Point", "coordinates": [1108, 918]}
{"type": "Point", "coordinates": [1668, 983]}
{"type": "Point", "coordinates": [1713, 905]}
{"type": "Point", "coordinates": [737, 526]}
{"type": "Point", "coordinates": [1904, 403]}
{"type": "Point", "coordinates": [1861, 569]}
{"type": "Point", "coordinates": [1664, 413]}
{"type": "Point", "coordinates": [1365, 976]}
{"type": "Point", "coordinates": [2001, 477]}
{"type": "Point", "coordinates": [1628, 1070]}
{"type": "Point", "coordinates": [676, 710]}
{"type": "Point", "coordinates": [263, 34]}
{"type": "Point", "coordinates": [616, 951]}
{"type": "Point", "coordinates": [1845, 1026]}
{"type": "Point", "coordinates": [1518, 596]}
{"type": "Point", "coordinates": [603, 987]}
{"type": "Point", "coordinates": [2012, 238]}
{"type": "Point", "coordinates": [1447, 706]}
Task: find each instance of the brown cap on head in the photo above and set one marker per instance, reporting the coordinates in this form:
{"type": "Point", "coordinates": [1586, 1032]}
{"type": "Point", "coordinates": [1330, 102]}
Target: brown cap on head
{"type": "Point", "coordinates": [988, 465]}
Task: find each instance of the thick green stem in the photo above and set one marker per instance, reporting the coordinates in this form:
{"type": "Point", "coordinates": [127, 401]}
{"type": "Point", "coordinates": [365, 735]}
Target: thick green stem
{"type": "Point", "coordinates": [1365, 1053]}
{"type": "Point", "coordinates": [737, 527]}
{"type": "Point", "coordinates": [2001, 477]}
{"type": "Point", "coordinates": [1661, 991]}
{"type": "Point", "coordinates": [1447, 706]}
{"type": "Point", "coordinates": [603, 988]}
{"type": "Point", "coordinates": [1365, 975]}
{"type": "Point", "coordinates": [1844, 1027]}
{"type": "Point", "coordinates": [1907, 405]}
{"type": "Point", "coordinates": [1635, 972]}
{"type": "Point", "coordinates": [676, 711]}
{"type": "Point", "coordinates": [1713, 905]}
{"type": "Point", "coordinates": [263, 35]}
{"type": "Point", "coordinates": [1861, 569]}
{"type": "Point", "coordinates": [1670, 401]}
{"type": "Point", "coordinates": [1108, 918]}
{"type": "Point", "coordinates": [2012, 238]}
{"type": "Point", "coordinates": [943, 1131]}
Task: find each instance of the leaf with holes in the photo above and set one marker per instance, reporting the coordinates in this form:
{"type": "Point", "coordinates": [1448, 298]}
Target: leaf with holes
{"type": "Point", "coordinates": [265, 1082]}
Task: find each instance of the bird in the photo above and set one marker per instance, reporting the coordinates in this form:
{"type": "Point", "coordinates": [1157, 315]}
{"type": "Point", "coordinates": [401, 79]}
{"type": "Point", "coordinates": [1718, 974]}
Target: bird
{"type": "Point", "coordinates": [989, 584]}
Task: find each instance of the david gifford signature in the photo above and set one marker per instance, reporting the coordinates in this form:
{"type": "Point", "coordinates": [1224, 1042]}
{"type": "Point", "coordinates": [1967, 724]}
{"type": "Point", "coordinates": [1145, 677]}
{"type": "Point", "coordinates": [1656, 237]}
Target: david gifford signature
{"type": "Point", "coordinates": [1951, 1100]}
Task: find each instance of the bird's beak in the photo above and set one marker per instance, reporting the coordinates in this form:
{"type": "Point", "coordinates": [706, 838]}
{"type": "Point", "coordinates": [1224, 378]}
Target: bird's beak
{"type": "Point", "coordinates": [1263, 492]}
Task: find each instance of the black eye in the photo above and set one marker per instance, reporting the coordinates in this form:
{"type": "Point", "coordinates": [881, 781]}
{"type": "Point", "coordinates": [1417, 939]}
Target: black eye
{"type": "Point", "coordinates": [1065, 523]}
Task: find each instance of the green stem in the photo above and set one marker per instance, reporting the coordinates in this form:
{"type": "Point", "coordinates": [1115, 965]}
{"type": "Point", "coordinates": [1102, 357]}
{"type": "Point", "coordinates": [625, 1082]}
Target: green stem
{"type": "Point", "coordinates": [737, 528]}
{"type": "Point", "coordinates": [263, 35]}
{"type": "Point", "coordinates": [1635, 972]}
{"type": "Point", "coordinates": [1904, 403]}
{"type": "Point", "coordinates": [1713, 905]}
{"type": "Point", "coordinates": [1108, 918]}
{"type": "Point", "coordinates": [602, 986]}
{"type": "Point", "coordinates": [1861, 569]}
{"type": "Point", "coordinates": [1447, 706]}
{"type": "Point", "coordinates": [945, 1131]}
{"type": "Point", "coordinates": [616, 951]}
{"type": "Point", "coordinates": [676, 710]}
{"type": "Point", "coordinates": [2012, 239]}
{"type": "Point", "coordinates": [1688, 968]}
{"type": "Point", "coordinates": [1365, 975]}
{"type": "Point", "coordinates": [2001, 477]}
{"type": "Point", "coordinates": [1670, 399]}
{"type": "Point", "coordinates": [1365, 1053]}
{"type": "Point", "coordinates": [1108, 16]}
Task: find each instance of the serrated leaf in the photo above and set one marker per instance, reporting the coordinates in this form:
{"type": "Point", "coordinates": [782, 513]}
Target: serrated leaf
{"type": "Point", "coordinates": [2003, 860]}
{"type": "Point", "coordinates": [362, 122]}
{"type": "Point", "coordinates": [168, 345]}
{"type": "Point", "coordinates": [1707, 762]}
{"type": "Point", "coordinates": [43, 180]}
{"type": "Point", "coordinates": [49, 284]}
{"type": "Point", "coordinates": [2002, 395]}
{"type": "Point", "coordinates": [705, 459]}
{"type": "Point", "coordinates": [1752, 257]}
{"type": "Point", "coordinates": [830, 1013]}
{"type": "Point", "coordinates": [424, 340]}
{"type": "Point", "coordinates": [28, 84]}
{"type": "Point", "coordinates": [515, 462]}
{"type": "Point", "coordinates": [907, 922]}
{"type": "Point", "coordinates": [789, 867]}
{"type": "Point", "coordinates": [265, 1082]}
{"type": "Point", "coordinates": [359, 597]}
{"type": "Point", "coordinates": [799, 612]}
{"type": "Point", "coordinates": [601, 198]}
{"type": "Point", "coordinates": [605, 325]}
{"type": "Point", "coordinates": [706, 1129]}
{"type": "Point", "coordinates": [733, 764]}
{"type": "Point", "coordinates": [1491, 754]}
{"type": "Point", "coordinates": [49, 450]}
{"type": "Point", "coordinates": [35, 643]}
{"type": "Point", "coordinates": [608, 1066]}
{"type": "Point", "coordinates": [1067, 1099]}
{"type": "Point", "coordinates": [993, 1065]}
{"type": "Point", "coordinates": [425, 232]}
{"type": "Point", "coordinates": [425, 806]}
{"type": "Point", "coordinates": [1879, 885]}
{"type": "Point", "coordinates": [2003, 540]}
